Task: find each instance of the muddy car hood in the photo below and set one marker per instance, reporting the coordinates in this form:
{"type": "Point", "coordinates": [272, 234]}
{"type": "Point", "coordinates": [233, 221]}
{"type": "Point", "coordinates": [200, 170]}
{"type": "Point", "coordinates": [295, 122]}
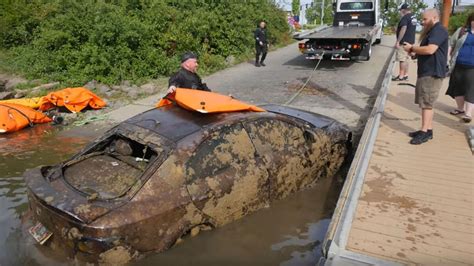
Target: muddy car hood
{"type": "Point", "coordinates": [62, 199]}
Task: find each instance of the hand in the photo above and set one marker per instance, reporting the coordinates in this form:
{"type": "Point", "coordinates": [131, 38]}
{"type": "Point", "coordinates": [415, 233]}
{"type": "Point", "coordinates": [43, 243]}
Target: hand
{"type": "Point", "coordinates": [261, 43]}
{"type": "Point", "coordinates": [171, 89]}
{"type": "Point", "coordinates": [407, 46]}
{"type": "Point", "coordinates": [397, 45]}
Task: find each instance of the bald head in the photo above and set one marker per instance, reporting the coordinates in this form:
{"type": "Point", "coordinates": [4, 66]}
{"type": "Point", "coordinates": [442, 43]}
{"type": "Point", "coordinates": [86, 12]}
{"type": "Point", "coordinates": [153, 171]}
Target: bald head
{"type": "Point", "coordinates": [430, 17]}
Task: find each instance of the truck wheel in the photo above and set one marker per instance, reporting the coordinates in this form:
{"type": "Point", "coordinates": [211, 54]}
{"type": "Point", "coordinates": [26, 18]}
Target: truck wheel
{"type": "Point", "coordinates": [378, 41]}
{"type": "Point", "coordinates": [368, 53]}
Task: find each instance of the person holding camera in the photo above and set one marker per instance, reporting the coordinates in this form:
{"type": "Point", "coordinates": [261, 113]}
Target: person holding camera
{"type": "Point", "coordinates": [432, 56]}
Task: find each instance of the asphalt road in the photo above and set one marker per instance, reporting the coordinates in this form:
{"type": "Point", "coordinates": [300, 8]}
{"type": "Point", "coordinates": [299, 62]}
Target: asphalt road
{"type": "Point", "coordinates": [343, 90]}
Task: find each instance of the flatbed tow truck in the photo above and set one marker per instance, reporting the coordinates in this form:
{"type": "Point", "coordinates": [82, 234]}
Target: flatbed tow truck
{"type": "Point", "coordinates": [356, 27]}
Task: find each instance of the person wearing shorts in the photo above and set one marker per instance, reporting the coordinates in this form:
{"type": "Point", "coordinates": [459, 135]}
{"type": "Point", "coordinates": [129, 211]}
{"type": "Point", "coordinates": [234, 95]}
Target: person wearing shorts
{"type": "Point", "coordinates": [405, 33]}
{"type": "Point", "coordinates": [432, 69]}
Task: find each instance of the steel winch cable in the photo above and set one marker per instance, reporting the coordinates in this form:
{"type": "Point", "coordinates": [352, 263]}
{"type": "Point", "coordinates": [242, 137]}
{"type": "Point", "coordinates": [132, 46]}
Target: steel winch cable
{"type": "Point", "coordinates": [306, 82]}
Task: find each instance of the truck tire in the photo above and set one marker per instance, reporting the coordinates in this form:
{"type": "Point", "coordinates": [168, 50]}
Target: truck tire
{"type": "Point", "coordinates": [367, 52]}
{"type": "Point", "coordinates": [378, 39]}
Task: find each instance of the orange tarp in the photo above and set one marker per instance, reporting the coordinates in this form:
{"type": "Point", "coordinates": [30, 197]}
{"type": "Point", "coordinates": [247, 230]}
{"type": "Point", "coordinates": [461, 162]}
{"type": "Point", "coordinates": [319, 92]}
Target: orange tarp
{"type": "Point", "coordinates": [14, 117]}
{"type": "Point", "coordinates": [74, 99]}
{"type": "Point", "coordinates": [206, 102]}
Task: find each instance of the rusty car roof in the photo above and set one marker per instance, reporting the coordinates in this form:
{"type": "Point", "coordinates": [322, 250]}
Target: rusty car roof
{"type": "Point", "coordinates": [175, 123]}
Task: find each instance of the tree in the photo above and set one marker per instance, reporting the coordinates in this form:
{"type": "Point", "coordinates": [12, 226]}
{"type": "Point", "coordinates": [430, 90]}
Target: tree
{"type": "Point", "coordinates": [313, 14]}
{"type": "Point", "coordinates": [295, 7]}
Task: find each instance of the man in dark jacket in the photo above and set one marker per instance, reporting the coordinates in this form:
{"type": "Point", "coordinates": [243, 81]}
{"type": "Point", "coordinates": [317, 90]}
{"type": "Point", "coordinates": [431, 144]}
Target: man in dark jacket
{"type": "Point", "coordinates": [432, 67]}
{"type": "Point", "coordinates": [261, 44]}
{"type": "Point", "coordinates": [186, 77]}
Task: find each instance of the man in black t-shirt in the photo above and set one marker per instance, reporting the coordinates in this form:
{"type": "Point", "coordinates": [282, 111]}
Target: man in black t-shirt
{"type": "Point", "coordinates": [405, 33]}
{"type": "Point", "coordinates": [432, 67]}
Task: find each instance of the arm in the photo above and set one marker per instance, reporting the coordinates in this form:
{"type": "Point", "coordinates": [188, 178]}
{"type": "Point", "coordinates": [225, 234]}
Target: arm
{"type": "Point", "coordinates": [257, 36]}
{"type": "Point", "coordinates": [173, 83]}
{"type": "Point", "coordinates": [403, 30]}
{"type": "Point", "coordinates": [421, 50]}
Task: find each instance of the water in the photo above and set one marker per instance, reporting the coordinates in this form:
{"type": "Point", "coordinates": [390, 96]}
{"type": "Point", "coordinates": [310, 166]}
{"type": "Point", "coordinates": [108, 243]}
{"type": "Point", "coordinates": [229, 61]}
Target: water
{"type": "Point", "coordinates": [290, 232]}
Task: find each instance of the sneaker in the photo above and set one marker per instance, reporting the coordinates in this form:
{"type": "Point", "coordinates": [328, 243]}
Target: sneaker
{"type": "Point", "coordinates": [257, 64]}
{"type": "Point", "coordinates": [415, 133]}
{"type": "Point", "coordinates": [466, 118]}
{"type": "Point", "coordinates": [420, 138]}
{"type": "Point", "coordinates": [398, 78]}
{"type": "Point", "coordinates": [262, 64]}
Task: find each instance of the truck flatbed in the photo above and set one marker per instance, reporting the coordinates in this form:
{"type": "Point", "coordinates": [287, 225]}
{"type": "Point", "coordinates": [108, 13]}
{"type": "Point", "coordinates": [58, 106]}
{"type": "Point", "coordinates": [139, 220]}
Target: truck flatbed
{"type": "Point", "coordinates": [343, 32]}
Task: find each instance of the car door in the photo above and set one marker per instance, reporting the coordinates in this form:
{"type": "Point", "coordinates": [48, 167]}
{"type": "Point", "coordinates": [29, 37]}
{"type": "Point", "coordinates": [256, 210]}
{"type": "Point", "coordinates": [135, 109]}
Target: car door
{"type": "Point", "coordinates": [290, 152]}
{"type": "Point", "coordinates": [225, 178]}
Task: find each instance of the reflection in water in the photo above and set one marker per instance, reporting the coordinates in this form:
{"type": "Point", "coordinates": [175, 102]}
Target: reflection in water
{"type": "Point", "coordinates": [19, 151]}
{"type": "Point", "coordinates": [290, 232]}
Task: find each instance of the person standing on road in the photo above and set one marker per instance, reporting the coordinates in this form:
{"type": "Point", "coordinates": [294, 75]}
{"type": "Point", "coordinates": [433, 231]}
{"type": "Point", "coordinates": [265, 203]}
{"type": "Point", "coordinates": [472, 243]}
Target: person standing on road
{"type": "Point", "coordinates": [405, 33]}
{"type": "Point", "coordinates": [461, 82]}
{"type": "Point", "coordinates": [186, 77]}
{"type": "Point", "coordinates": [432, 68]}
{"type": "Point", "coordinates": [261, 44]}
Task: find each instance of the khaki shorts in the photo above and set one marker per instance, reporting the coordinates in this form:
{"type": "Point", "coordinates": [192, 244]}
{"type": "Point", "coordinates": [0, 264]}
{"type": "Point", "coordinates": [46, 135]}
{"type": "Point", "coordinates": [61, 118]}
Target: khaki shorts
{"type": "Point", "coordinates": [402, 55]}
{"type": "Point", "coordinates": [427, 90]}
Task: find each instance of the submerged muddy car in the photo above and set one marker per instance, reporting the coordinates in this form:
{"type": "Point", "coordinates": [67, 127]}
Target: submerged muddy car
{"type": "Point", "coordinates": [155, 177]}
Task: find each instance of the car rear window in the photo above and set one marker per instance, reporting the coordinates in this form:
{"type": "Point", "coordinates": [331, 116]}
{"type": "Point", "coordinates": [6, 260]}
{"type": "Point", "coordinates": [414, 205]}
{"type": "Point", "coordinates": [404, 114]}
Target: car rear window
{"type": "Point", "coordinates": [110, 168]}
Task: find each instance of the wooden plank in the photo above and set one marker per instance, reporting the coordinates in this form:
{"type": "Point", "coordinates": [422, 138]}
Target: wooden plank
{"type": "Point", "coordinates": [368, 213]}
{"type": "Point", "coordinates": [373, 207]}
{"type": "Point", "coordinates": [402, 250]}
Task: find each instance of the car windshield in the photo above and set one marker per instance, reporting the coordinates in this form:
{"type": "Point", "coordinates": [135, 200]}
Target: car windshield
{"type": "Point", "coordinates": [110, 168]}
{"type": "Point", "coordinates": [356, 6]}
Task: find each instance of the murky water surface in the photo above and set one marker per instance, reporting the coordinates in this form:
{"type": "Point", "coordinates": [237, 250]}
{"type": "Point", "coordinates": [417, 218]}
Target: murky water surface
{"type": "Point", "coordinates": [290, 232]}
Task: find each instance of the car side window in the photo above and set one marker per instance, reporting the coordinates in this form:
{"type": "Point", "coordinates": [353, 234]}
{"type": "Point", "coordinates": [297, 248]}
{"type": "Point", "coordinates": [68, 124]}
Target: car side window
{"type": "Point", "coordinates": [227, 147]}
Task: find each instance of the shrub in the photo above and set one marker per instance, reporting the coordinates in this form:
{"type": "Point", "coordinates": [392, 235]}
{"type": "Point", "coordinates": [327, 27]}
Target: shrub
{"type": "Point", "coordinates": [112, 40]}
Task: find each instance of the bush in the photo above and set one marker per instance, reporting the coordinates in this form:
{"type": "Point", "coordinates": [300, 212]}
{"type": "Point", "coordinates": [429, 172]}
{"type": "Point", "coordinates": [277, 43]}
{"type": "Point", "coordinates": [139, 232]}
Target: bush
{"type": "Point", "coordinates": [112, 40]}
{"type": "Point", "coordinates": [458, 20]}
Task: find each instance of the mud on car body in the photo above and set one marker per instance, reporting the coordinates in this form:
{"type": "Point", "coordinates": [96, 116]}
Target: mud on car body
{"type": "Point", "coordinates": [150, 180]}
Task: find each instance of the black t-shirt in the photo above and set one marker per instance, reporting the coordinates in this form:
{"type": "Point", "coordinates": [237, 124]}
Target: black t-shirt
{"type": "Point", "coordinates": [410, 22]}
{"type": "Point", "coordinates": [435, 65]}
{"type": "Point", "coordinates": [187, 79]}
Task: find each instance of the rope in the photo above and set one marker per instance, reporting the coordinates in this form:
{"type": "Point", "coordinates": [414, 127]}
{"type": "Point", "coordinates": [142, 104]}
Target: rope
{"type": "Point", "coordinates": [307, 80]}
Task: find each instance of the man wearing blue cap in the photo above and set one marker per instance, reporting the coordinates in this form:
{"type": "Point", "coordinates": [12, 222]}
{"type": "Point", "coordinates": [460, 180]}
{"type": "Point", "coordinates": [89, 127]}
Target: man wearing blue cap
{"type": "Point", "coordinates": [186, 77]}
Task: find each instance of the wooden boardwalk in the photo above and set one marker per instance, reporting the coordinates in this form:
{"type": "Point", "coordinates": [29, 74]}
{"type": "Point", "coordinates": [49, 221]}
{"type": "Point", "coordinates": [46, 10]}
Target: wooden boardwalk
{"type": "Point", "coordinates": [417, 201]}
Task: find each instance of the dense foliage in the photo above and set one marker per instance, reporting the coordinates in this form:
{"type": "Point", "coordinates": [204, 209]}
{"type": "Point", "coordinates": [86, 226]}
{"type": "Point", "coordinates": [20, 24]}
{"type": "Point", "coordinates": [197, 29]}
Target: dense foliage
{"type": "Point", "coordinates": [459, 20]}
{"type": "Point", "coordinates": [392, 15]}
{"type": "Point", "coordinates": [112, 40]}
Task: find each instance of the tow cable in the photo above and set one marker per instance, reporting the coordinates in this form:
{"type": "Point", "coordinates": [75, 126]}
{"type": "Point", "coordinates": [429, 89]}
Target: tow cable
{"type": "Point", "coordinates": [306, 82]}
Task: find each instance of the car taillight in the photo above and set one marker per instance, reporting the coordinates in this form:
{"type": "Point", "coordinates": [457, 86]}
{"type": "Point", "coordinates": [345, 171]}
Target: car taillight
{"type": "Point", "coordinates": [301, 45]}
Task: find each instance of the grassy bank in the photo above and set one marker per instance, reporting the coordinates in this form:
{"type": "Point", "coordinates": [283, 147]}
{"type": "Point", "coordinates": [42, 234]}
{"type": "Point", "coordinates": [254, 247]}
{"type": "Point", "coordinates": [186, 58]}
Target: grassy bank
{"type": "Point", "coordinates": [111, 41]}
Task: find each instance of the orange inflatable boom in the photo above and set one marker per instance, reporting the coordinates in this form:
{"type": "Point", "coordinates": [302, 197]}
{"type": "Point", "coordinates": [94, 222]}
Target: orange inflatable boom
{"type": "Point", "coordinates": [14, 117]}
{"type": "Point", "coordinates": [206, 102]}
